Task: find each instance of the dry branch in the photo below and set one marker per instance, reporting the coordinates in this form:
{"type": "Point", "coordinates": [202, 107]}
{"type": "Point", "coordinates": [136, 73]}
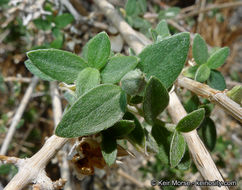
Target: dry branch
{"type": "Point", "coordinates": [216, 96]}
{"type": "Point", "coordinates": [18, 116]}
{"type": "Point", "coordinates": [199, 153]}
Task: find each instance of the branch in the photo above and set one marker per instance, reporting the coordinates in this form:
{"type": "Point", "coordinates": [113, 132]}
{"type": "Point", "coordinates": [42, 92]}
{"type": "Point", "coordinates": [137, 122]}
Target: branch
{"type": "Point", "coordinates": [216, 96]}
{"type": "Point", "coordinates": [18, 115]}
{"type": "Point", "coordinates": [216, 6]}
{"type": "Point", "coordinates": [200, 155]}
{"type": "Point", "coordinates": [57, 111]}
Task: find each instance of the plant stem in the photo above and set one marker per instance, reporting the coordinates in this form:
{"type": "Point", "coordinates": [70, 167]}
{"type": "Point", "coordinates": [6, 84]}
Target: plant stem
{"type": "Point", "coordinates": [216, 96]}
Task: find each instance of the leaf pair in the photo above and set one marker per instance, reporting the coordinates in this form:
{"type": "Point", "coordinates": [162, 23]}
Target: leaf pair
{"type": "Point", "coordinates": [160, 32]}
{"type": "Point", "coordinates": [109, 139]}
{"type": "Point", "coordinates": [207, 63]}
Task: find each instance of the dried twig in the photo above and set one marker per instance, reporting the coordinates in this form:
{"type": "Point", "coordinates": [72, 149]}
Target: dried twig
{"type": "Point", "coordinates": [216, 96]}
{"type": "Point", "coordinates": [18, 115]}
{"type": "Point", "coordinates": [209, 8]}
{"type": "Point", "coordinates": [17, 79]}
{"type": "Point", "coordinates": [199, 153]}
{"type": "Point", "coordinates": [132, 179]}
{"type": "Point", "coordinates": [57, 111]}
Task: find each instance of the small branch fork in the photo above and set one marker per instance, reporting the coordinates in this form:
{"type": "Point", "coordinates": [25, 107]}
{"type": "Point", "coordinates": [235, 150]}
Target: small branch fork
{"type": "Point", "coordinates": [216, 96]}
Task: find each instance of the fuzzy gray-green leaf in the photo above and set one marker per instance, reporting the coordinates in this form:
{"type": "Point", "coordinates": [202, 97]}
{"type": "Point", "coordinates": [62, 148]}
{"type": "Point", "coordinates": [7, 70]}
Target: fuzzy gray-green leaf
{"type": "Point", "coordinates": [88, 78]}
{"type": "Point", "coordinates": [177, 149]}
{"type": "Point", "coordinates": [199, 50]}
{"type": "Point", "coordinates": [156, 99]}
{"type": "Point", "coordinates": [218, 58]}
{"type": "Point", "coordinates": [163, 139]}
{"type": "Point", "coordinates": [34, 70]}
{"type": "Point", "coordinates": [98, 51]}
{"type": "Point", "coordinates": [191, 121]}
{"type": "Point", "coordinates": [117, 67]}
{"type": "Point", "coordinates": [96, 110]}
{"type": "Point", "coordinates": [109, 149]}
{"type": "Point", "coordinates": [136, 136]}
{"type": "Point", "coordinates": [209, 134]}
{"type": "Point", "coordinates": [121, 129]}
{"type": "Point", "coordinates": [166, 58]}
{"type": "Point", "coordinates": [162, 29]}
{"type": "Point", "coordinates": [216, 80]}
{"type": "Point", "coordinates": [57, 64]}
{"type": "Point", "coordinates": [202, 73]}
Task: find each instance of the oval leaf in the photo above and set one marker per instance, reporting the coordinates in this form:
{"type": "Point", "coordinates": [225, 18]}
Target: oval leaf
{"type": "Point", "coordinates": [121, 129]}
{"type": "Point", "coordinates": [202, 73]}
{"type": "Point", "coordinates": [163, 139]}
{"type": "Point", "coordinates": [156, 99]}
{"type": "Point", "coordinates": [162, 29]}
{"type": "Point", "coordinates": [218, 58]}
{"type": "Point", "coordinates": [216, 80]}
{"type": "Point", "coordinates": [57, 64]}
{"type": "Point", "coordinates": [209, 134]}
{"type": "Point", "coordinates": [88, 78]}
{"type": "Point", "coordinates": [166, 58]}
{"type": "Point", "coordinates": [109, 149]}
{"type": "Point", "coordinates": [177, 149]}
{"type": "Point", "coordinates": [98, 51]}
{"type": "Point", "coordinates": [191, 121]}
{"type": "Point", "coordinates": [117, 67]}
{"type": "Point", "coordinates": [199, 50]}
{"type": "Point", "coordinates": [34, 70]}
{"type": "Point", "coordinates": [137, 136]}
{"type": "Point", "coordinates": [93, 112]}
{"type": "Point", "coordinates": [185, 161]}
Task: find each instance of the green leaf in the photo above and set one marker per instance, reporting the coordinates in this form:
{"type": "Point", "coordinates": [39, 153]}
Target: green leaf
{"type": "Point", "coordinates": [70, 96]}
{"type": "Point", "coordinates": [136, 99]}
{"type": "Point", "coordinates": [177, 149]}
{"type": "Point", "coordinates": [191, 121]}
{"type": "Point", "coordinates": [57, 64]}
{"type": "Point", "coordinates": [209, 134]}
{"type": "Point", "coordinates": [185, 161]}
{"type": "Point", "coordinates": [117, 67]}
{"type": "Point", "coordinates": [87, 79]}
{"type": "Point", "coordinates": [133, 82]}
{"type": "Point", "coordinates": [142, 5]}
{"type": "Point", "coordinates": [190, 71]}
{"type": "Point", "coordinates": [192, 104]}
{"type": "Point", "coordinates": [34, 70]}
{"type": "Point", "coordinates": [63, 20]}
{"type": "Point", "coordinates": [163, 139]}
{"type": "Point", "coordinates": [153, 34]}
{"type": "Point", "coordinates": [166, 58]}
{"type": "Point", "coordinates": [58, 42]}
{"type": "Point", "coordinates": [137, 136]}
{"type": "Point", "coordinates": [42, 24]}
{"type": "Point", "coordinates": [236, 94]}
{"type": "Point", "coordinates": [99, 49]}
{"type": "Point", "coordinates": [218, 58]}
{"type": "Point", "coordinates": [202, 73]}
{"type": "Point", "coordinates": [156, 99]}
{"type": "Point", "coordinates": [162, 29]}
{"type": "Point", "coordinates": [130, 7]}
{"type": "Point", "coordinates": [121, 129]}
{"type": "Point", "coordinates": [109, 149]}
{"type": "Point", "coordinates": [96, 110]}
{"type": "Point", "coordinates": [199, 50]}
{"type": "Point", "coordinates": [216, 80]}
